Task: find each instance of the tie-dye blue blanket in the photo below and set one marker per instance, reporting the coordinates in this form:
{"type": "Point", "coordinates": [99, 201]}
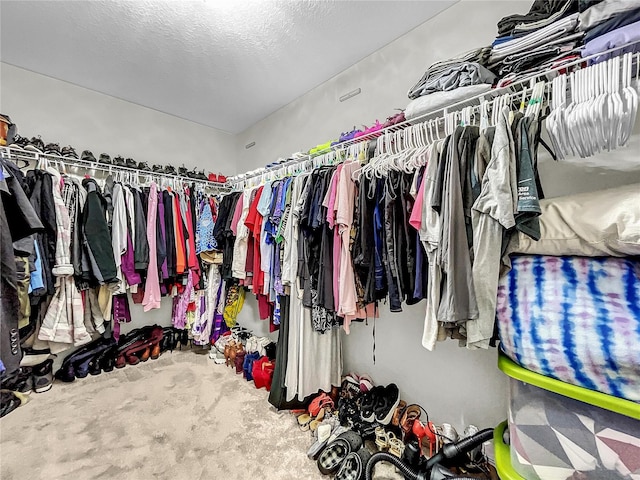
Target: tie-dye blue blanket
{"type": "Point", "coordinates": [575, 319]}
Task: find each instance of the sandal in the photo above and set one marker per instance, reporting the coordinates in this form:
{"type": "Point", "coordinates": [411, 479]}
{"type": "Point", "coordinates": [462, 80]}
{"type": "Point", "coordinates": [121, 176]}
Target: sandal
{"type": "Point", "coordinates": [397, 415]}
{"type": "Point", "coordinates": [382, 439]}
{"type": "Point", "coordinates": [304, 420]}
{"type": "Point", "coordinates": [410, 414]}
{"type": "Point", "coordinates": [321, 401]}
{"type": "Point", "coordinates": [316, 421]}
{"type": "Point", "coordinates": [396, 447]}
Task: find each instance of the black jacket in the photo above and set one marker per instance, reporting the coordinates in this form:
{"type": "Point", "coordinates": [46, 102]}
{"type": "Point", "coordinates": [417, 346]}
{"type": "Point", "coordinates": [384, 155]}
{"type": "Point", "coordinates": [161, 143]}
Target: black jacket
{"type": "Point", "coordinates": [96, 234]}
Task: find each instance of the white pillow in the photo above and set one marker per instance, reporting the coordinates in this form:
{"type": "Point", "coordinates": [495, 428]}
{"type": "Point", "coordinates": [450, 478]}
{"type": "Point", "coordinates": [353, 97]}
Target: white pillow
{"type": "Point", "coordinates": [594, 224]}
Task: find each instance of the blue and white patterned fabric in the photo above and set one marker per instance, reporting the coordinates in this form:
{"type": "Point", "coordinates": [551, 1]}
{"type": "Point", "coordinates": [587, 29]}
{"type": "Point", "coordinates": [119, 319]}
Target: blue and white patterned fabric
{"type": "Point", "coordinates": [205, 242]}
{"type": "Point", "coordinates": [575, 319]}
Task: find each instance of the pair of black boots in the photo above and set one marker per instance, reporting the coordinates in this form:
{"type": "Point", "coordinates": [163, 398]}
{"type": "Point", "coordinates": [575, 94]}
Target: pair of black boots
{"type": "Point", "coordinates": [105, 354]}
{"type": "Point", "coordinates": [83, 361]}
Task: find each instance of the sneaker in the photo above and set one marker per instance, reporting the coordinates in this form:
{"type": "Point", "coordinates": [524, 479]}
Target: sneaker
{"type": "Point", "coordinates": [104, 158]}
{"type": "Point", "coordinates": [43, 376]}
{"type": "Point", "coordinates": [21, 381]}
{"type": "Point", "coordinates": [118, 161]}
{"type": "Point", "coordinates": [387, 403]}
{"type": "Point", "coordinates": [130, 163]}
{"type": "Point", "coordinates": [69, 152]}
{"type": "Point", "coordinates": [52, 149]}
{"type": "Point", "coordinates": [87, 156]}
{"type": "Point", "coordinates": [369, 403]}
{"type": "Point", "coordinates": [34, 357]}
{"type": "Point", "coordinates": [157, 168]}
{"type": "Point", "coordinates": [19, 142]}
{"type": "Point", "coordinates": [217, 356]}
{"type": "Point", "coordinates": [9, 401]}
{"type": "Point", "coordinates": [35, 145]}
{"type": "Point", "coordinates": [170, 170]}
{"type": "Point", "coordinates": [144, 166]}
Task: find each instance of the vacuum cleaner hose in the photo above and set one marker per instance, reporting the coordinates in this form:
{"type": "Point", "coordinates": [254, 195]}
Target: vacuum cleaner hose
{"type": "Point", "coordinates": [450, 450]}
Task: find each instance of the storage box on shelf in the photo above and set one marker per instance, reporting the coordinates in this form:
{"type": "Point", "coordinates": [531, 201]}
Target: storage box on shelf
{"type": "Point", "coordinates": [557, 429]}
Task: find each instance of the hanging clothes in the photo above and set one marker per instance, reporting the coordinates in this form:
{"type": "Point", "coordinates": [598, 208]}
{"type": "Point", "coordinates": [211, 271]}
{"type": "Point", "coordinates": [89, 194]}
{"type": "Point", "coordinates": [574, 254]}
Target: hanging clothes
{"type": "Point", "coordinates": [18, 220]}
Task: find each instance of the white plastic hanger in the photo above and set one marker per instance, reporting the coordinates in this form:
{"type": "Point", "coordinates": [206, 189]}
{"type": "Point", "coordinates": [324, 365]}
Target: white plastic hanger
{"type": "Point", "coordinates": [630, 101]}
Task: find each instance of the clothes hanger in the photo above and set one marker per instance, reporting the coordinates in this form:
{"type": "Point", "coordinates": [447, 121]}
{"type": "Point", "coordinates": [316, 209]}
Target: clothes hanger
{"type": "Point", "coordinates": [631, 99]}
{"type": "Point", "coordinates": [552, 122]}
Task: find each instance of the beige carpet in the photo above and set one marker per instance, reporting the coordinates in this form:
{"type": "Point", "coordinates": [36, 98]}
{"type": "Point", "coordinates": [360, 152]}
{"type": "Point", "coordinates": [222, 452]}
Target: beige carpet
{"type": "Point", "coordinates": [178, 417]}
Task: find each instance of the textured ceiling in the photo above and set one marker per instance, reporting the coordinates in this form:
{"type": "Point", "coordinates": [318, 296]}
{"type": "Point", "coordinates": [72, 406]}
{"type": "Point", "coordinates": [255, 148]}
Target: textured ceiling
{"type": "Point", "coordinates": [226, 63]}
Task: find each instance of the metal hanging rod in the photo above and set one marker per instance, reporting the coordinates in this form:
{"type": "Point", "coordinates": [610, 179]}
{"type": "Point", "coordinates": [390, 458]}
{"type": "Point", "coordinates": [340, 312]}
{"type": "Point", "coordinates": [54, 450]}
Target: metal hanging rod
{"type": "Point", "coordinates": [31, 156]}
{"type": "Point", "coordinates": [438, 115]}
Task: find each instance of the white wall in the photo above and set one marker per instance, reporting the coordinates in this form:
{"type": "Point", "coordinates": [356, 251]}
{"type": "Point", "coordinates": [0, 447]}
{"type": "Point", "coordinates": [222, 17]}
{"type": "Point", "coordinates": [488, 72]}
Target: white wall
{"type": "Point", "coordinates": [453, 384]}
{"type": "Point", "coordinates": [70, 115]}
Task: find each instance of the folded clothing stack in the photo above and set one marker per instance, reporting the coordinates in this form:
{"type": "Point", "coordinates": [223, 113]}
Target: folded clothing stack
{"type": "Point", "coordinates": [547, 44]}
{"type": "Point", "coordinates": [610, 24]}
{"type": "Point", "coordinates": [467, 69]}
{"type": "Point", "coordinates": [542, 14]}
{"type": "Point", "coordinates": [449, 81]}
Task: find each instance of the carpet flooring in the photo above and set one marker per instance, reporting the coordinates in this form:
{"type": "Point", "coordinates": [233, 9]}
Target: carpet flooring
{"type": "Point", "coordinates": [178, 417]}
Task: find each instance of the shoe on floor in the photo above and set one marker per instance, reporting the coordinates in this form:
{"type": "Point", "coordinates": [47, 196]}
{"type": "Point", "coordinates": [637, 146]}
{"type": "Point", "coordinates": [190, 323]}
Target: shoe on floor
{"type": "Point", "coordinates": [332, 457]}
{"type": "Point", "coordinates": [21, 381]}
{"type": "Point", "coordinates": [9, 401]}
{"type": "Point", "coordinates": [34, 357]}
{"type": "Point", "coordinates": [43, 376]}
{"type": "Point", "coordinates": [387, 403]}
{"type": "Point", "coordinates": [369, 403]}
{"type": "Point", "coordinates": [216, 356]}
{"type": "Point", "coordinates": [354, 465]}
